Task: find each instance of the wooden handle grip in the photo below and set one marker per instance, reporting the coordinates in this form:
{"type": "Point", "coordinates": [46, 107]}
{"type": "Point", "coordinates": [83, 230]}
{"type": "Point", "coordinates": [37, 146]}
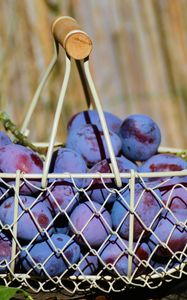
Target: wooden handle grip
{"type": "Point", "coordinates": [69, 35]}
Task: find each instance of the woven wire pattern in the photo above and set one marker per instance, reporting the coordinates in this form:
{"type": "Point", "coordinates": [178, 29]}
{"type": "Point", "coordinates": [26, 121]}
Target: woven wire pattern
{"type": "Point", "coordinates": [80, 265]}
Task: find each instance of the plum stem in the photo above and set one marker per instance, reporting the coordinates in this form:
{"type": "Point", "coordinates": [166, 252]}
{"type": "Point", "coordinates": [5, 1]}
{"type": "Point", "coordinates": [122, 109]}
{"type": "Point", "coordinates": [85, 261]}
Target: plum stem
{"type": "Point", "coordinates": [21, 138]}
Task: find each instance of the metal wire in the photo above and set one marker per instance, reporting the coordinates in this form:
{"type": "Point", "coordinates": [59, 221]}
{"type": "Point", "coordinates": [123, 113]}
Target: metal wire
{"type": "Point", "coordinates": [106, 278]}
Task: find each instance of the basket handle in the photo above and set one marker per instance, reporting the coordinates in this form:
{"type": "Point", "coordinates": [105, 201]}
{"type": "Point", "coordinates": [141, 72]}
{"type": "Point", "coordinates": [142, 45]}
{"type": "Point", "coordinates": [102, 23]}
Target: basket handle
{"type": "Point", "coordinates": [69, 35]}
{"type": "Point", "coordinates": [77, 45]}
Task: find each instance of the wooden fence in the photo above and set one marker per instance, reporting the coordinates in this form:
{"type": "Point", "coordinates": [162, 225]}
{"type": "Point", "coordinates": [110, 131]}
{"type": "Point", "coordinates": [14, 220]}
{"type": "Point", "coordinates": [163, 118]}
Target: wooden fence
{"type": "Point", "coordinates": [138, 61]}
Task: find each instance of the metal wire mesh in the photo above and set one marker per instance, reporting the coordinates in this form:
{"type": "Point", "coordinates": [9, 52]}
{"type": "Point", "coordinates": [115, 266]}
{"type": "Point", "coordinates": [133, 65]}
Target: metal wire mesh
{"type": "Point", "coordinates": [36, 253]}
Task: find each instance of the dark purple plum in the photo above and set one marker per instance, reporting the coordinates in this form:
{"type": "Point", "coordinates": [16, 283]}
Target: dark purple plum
{"type": "Point", "coordinates": [31, 214]}
{"type": "Point", "coordinates": [90, 222]}
{"type": "Point", "coordinates": [54, 255]}
{"type": "Point", "coordinates": [170, 234]}
{"type": "Point", "coordinates": [62, 195]}
{"type": "Point", "coordinates": [4, 139]}
{"type": "Point", "coordinates": [160, 267]}
{"type": "Point", "coordinates": [15, 157]}
{"type": "Point", "coordinates": [114, 255]}
{"type": "Point", "coordinates": [5, 252]}
{"type": "Point", "coordinates": [92, 117]}
{"type": "Point", "coordinates": [174, 193]}
{"type": "Point", "coordinates": [140, 137]}
{"type": "Point", "coordinates": [90, 143]}
{"type": "Point", "coordinates": [69, 161]}
{"type": "Point", "coordinates": [163, 163]}
{"type": "Point", "coordinates": [146, 208]}
{"type": "Point", "coordinates": [87, 265]}
{"type": "Point", "coordinates": [97, 190]}
{"type": "Point", "coordinates": [3, 191]}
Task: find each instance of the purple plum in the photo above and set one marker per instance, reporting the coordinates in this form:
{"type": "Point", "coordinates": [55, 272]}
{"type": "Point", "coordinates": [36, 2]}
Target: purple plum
{"type": "Point", "coordinates": [87, 265]}
{"type": "Point", "coordinates": [4, 139]}
{"type": "Point", "coordinates": [51, 257]}
{"type": "Point", "coordinates": [161, 267]}
{"type": "Point", "coordinates": [114, 254]}
{"type": "Point", "coordinates": [163, 163]}
{"type": "Point", "coordinates": [92, 117]}
{"type": "Point", "coordinates": [31, 214]}
{"type": "Point", "coordinates": [3, 191]}
{"type": "Point", "coordinates": [140, 137]}
{"type": "Point", "coordinates": [90, 143]}
{"type": "Point", "coordinates": [174, 193]}
{"type": "Point", "coordinates": [15, 157]}
{"type": "Point", "coordinates": [146, 208]}
{"type": "Point", "coordinates": [98, 191]}
{"type": "Point", "coordinates": [5, 252]}
{"type": "Point", "coordinates": [170, 233]}
{"type": "Point", "coordinates": [90, 222]}
{"type": "Point", "coordinates": [61, 195]}
{"type": "Point", "coordinates": [67, 160]}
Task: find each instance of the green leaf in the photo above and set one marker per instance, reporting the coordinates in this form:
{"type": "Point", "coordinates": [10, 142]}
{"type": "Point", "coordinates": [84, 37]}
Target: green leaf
{"type": "Point", "coordinates": [6, 293]}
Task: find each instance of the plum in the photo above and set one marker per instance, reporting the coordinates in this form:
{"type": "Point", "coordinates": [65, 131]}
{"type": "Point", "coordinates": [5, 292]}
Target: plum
{"type": "Point", "coordinates": [67, 160]}
{"type": "Point", "coordinates": [114, 254]}
{"type": "Point", "coordinates": [31, 214]}
{"type": "Point", "coordinates": [174, 193]}
{"type": "Point", "coordinates": [90, 222]}
{"type": "Point", "coordinates": [161, 267]}
{"type": "Point", "coordinates": [146, 208]}
{"type": "Point", "coordinates": [51, 257]}
{"type": "Point", "coordinates": [170, 233]}
{"type": "Point", "coordinates": [17, 157]}
{"type": "Point", "coordinates": [97, 191]}
{"type": "Point", "coordinates": [90, 143]}
{"type": "Point", "coordinates": [62, 195]}
{"type": "Point", "coordinates": [87, 265]}
{"type": "Point", "coordinates": [163, 163]}
{"type": "Point", "coordinates": [4, 139]}
{"type": "Point", "coordinates": [140, 137]}
{"type": "Point", "coordinates": [5, 252]}
{"type": "Point", "coordinates": [92, 117]}
{"type": "Point", "coordinates": [3, 191]}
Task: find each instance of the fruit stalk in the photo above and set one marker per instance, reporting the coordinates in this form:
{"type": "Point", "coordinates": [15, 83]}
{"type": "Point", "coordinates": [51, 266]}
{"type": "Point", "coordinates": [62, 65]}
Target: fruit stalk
{"type": "Point", "coordinates": [21, 138]}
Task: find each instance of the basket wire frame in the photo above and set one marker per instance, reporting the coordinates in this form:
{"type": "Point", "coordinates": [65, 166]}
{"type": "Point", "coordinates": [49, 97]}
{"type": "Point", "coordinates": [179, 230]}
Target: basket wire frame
{"type": "Point", "coordinates": [106, 278]}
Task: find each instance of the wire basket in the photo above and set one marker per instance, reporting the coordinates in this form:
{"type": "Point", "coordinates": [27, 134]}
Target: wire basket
{"type": "Point", "coordinates": [107, 261]}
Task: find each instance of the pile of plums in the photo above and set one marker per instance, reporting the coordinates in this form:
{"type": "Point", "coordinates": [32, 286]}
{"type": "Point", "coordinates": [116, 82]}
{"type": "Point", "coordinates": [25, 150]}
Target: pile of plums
{"type": "Point", "coordinates": [84, 225]}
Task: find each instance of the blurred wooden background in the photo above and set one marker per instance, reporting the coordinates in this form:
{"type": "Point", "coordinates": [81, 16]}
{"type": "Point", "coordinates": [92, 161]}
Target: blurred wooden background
{"type": "Point", "coordinates": [139, 61]}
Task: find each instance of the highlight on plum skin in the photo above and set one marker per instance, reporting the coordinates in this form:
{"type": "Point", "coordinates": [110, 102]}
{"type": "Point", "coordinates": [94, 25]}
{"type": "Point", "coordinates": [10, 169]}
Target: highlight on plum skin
{"type": "Point", "coordinates": [90, 142]}
{"type": "Point", "coordinates": [15, 157]}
